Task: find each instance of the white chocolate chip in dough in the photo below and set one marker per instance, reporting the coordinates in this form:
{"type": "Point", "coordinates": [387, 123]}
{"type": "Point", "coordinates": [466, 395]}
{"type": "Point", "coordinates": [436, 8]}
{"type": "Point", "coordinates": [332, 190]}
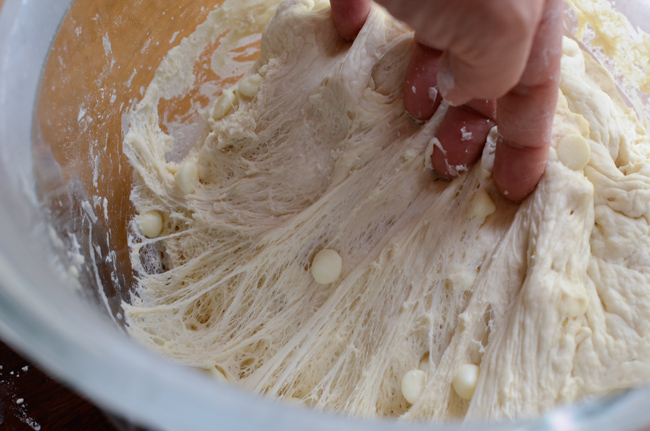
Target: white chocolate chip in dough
{"type": "Point", "coordinates": [187, 178]}
{"type": "Point", "coordinates": [224, 104]}
{"type": "Point", "coordinates": [574, 152]}
{"type": "Point", "coordinates": [326, 266]}
{"type": "Point", "coordinates": [250, 85]}
{"type": "Point", "coordinates": [413, 384]}
{"type": "Point", "coordinates": [482, 205]}
{"type": "Point", "coordinates": [150, 224]}
{"type": "Point", "coordinates": [465, 380]}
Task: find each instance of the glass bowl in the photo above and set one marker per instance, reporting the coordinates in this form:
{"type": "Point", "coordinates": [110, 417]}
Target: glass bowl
{"type": "Point", "coordinates": [69, 72]}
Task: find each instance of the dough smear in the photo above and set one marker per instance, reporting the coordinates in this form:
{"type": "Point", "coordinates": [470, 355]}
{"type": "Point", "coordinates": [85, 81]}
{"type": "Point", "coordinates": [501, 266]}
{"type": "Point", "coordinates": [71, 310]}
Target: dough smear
{"type": "Point", "coordinates": [550, 298]}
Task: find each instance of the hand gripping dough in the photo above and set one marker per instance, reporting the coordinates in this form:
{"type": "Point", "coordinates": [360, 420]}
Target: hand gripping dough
{"type": "Point", "coordinates": [550, 298]}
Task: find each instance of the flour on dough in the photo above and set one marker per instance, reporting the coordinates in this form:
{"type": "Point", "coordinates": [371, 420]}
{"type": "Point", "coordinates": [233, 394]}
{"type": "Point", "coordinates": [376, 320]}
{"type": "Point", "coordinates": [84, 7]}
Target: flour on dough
{"type": "Point", "coordinates": [550, 298]}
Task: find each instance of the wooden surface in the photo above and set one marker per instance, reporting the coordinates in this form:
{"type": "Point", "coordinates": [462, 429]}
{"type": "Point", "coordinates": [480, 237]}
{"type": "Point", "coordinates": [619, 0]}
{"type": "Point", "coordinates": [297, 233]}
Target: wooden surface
{"type": "Point", "coordinates": [30, 400]}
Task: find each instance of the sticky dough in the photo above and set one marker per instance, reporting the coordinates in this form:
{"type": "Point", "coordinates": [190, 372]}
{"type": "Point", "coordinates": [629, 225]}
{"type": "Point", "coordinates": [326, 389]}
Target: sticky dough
{"type": "Point", "coordinates": [550, 298]}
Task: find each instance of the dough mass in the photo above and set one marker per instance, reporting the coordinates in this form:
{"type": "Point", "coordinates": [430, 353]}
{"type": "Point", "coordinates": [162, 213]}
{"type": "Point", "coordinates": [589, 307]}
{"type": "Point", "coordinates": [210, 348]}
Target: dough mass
{"type": "Point", "coordinates": [550, 298]}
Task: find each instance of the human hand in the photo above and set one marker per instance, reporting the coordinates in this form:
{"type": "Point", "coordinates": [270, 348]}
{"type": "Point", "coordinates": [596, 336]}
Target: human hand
{"type": "Point", "coordinates": [490, 59]}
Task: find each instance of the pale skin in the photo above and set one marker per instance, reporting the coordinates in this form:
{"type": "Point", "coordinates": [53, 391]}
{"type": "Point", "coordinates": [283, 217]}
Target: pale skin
{"type": "Point", "coordinates": [494, 61]}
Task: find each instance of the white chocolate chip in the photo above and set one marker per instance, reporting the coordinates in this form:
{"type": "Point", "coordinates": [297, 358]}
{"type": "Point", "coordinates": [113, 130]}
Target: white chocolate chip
{"type": "Point", "coordinates": [150, 224]}
{"type": "Point", "coordinates": [482, 205]}
{"type": "Point", "coordinates": [250, 85]}
{"type": "Point", "coordinates": [326, 266]}
{"type": "Point", "coordinates": [187, 178]}
{"type": "Point", "coordinates": [413, 384]}
{"type": "Point", "coordinates": [574, 152]}
{"type": "Point", "coordinates": [465, 380]}
{"type": "Point", "coordinates": [224, 104]}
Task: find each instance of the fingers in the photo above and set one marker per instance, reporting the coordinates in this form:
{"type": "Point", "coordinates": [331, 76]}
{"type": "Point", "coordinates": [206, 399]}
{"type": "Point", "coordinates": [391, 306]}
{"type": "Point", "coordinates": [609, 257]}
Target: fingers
{"type": "Point", "coordinates": [486, 61]}
{"type": "Point", "coordinates": [526, 113]}
{"type": "Point", "coordinates": [463, 131]}
{"type": "Point", "coordinates": [349, 16]}
{"type": "Point", "coordinates": [485, 43]}
{"type": "Point", "coordinates": [461, 137]}
{"type": "Point", "coordinates": [421, 97]}
{"type": "Point", "coordinates": [505, 49]}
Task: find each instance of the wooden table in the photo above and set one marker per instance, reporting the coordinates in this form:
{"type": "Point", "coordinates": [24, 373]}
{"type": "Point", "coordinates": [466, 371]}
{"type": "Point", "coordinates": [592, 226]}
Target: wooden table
{"type": "Point", "coordinates": [30, 400]}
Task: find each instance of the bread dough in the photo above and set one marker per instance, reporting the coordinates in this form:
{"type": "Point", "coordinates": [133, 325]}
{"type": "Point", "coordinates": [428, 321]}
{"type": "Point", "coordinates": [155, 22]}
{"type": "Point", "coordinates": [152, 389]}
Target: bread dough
{"type": "Point", "coordinates": [551, 298]}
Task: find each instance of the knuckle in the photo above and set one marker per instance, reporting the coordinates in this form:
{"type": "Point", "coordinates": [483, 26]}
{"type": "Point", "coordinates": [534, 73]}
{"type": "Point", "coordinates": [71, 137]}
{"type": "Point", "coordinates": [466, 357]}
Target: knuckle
{"type": "Point", "coordinates": [514, 19]}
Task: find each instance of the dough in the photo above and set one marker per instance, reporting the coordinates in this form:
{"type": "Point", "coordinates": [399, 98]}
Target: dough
{"type": "Point", "coordinates": [550, 298]}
